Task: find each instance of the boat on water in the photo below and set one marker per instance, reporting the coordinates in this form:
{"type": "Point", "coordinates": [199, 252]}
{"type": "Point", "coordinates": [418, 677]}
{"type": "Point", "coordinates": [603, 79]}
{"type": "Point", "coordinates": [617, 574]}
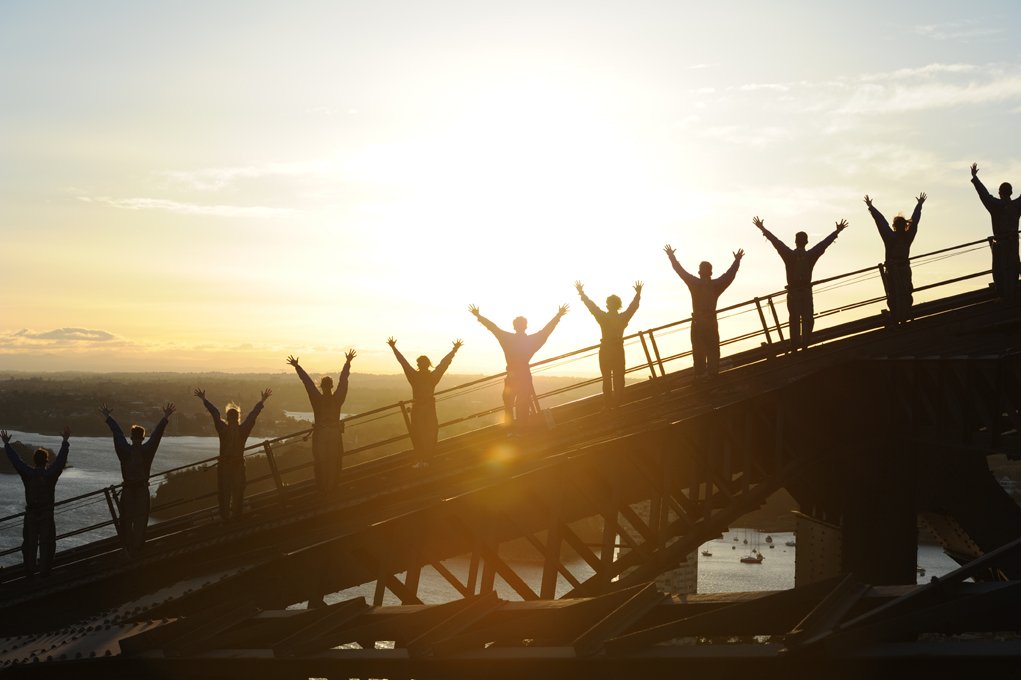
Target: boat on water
{"type": "Point", "coordinates": [790, 544]}
{"type": "Point", "coordinates": [753, 559]}
{"type": "Point", "coordinates": [706, 553]}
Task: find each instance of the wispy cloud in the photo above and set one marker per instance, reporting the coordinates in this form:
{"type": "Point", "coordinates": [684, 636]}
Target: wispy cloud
{"type": "Point", "coordinates": [775, 87]}
{"type": "Point", "coordinates": [962, 31]}
{"type": "Point", "coordinates": [929, 87]}
{"type": "Point", "coordinates": [215, 210]}
{"type": "Point", "coordinates": [58, 338]}
{"type": "Point", "coordinates": [897, 161]}
{"type": "Point", "coordinates": [212, 179]}
{"type": "Point", "coordinates": [927, 70]}
{"type": "Point", "coordinates": [930, 95]}
{"type": "Point", "coordinates": [68, 335]}
{"type": "Point", "coordinates": [81, 339]}
{"type": "Point", "coordinates": [744, 135]}
{"type": "Point", "coordinates": [92, 349]}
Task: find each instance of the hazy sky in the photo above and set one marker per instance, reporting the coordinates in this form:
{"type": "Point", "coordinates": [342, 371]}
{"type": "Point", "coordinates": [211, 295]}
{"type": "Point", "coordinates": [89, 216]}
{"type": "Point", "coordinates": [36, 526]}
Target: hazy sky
{"type": "Point", "coordinates": [215, 185]}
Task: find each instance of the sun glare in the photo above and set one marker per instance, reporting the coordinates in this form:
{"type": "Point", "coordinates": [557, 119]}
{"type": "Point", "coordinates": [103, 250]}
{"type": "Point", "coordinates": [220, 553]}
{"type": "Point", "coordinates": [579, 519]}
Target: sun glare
{"type": "Point", "coordinates": [379, 184]}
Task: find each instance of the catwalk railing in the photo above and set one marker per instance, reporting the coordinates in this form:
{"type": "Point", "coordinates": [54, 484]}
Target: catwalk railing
{"type": "Point", "coordinates": [743, 326]}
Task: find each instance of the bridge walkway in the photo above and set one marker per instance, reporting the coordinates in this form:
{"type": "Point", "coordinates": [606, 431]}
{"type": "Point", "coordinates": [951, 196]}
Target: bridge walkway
{"type": "Point", "coordinates": [675, 466]}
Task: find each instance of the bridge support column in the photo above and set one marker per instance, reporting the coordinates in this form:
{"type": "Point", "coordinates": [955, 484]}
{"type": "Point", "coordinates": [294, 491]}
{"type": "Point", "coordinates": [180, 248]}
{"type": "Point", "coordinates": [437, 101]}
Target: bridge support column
{"type": "Point", "coordinates": [865, 519]}
{"type": "Point", "coordinates": [880, 520]}
{"type": "Point", "coordinates": [819, 553]}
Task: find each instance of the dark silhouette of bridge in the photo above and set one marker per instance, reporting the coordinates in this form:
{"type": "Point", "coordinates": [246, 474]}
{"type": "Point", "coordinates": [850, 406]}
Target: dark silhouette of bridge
{"type": "Point", "coordinates": [876, 424]}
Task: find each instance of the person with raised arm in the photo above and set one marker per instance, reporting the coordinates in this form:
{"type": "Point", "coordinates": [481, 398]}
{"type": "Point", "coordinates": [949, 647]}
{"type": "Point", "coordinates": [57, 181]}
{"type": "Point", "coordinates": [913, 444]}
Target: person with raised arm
{"type": "Point", "coordinates": [705, 292]}
{"type": "Point", "coordinates": [897, 238]}
{"type": "Point", "coordinates": [136, 459]}
{"type": "Point", "coordinates": [425, 426]}
{"type": "Point", "coordinates": [518, 350]}
{"type": "Point", "coordinates": [230, 464]}
{"type": "Point", "coordinates": [327, 431]}
{"type": "Point", "coordinates": [1005, 214]}
{"type": "Point", "coordinates": [39, 531]}
{"type": "Point", "coordinates": [612, 323]}
{"type": "Point", "coordinates": [799, 263]}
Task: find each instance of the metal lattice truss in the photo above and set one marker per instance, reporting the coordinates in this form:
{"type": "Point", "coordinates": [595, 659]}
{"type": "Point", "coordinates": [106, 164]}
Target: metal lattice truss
{"type": "Point", "coordinates": [653, 495]}
{"type": "Point", "coordinates": [835, 628]}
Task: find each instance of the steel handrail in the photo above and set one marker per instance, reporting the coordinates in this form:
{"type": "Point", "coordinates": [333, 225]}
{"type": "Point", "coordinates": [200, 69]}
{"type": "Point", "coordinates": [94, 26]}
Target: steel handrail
{"type": "Point", "coordinates": [256, 448]}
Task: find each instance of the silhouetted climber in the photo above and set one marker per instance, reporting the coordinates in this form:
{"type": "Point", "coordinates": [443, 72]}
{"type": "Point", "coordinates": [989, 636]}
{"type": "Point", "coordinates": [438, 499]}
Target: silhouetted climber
{"type": "Point", "coordinates": [898, 238]}
{"type": "Point", "coordinates": [1005, 214]}
{"type": "Point", "coordinates": [611, 344]}
{"type": "Point", "coordinates": [518, 350]}
{"type": "Point", "coordinates": [327, 432]}
{"type": "Point", "coordinates": [136, 463]}
{"type": "Point", "coordinates": [799, 263]}
{"type": "Point", "coordinates": [230, 465]}
{"type": "Point", "coordinates": [39, 531]}
{"type": "Point", "coordinates": [425, 426]}
{"type": "Point", "coordinates": [705, 291]}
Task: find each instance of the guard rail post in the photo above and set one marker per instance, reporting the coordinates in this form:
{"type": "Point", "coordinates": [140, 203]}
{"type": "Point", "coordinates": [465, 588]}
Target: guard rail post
{"type": "Point", "coordinates": [655, 350]}
{"type": "Point", "coordinates": [776, 318]}
{"type": "Point", "coordinates": [112, 503]}
{"type": "Point", "coordinates": [882, 277]}
{"type": "Point", "coordinates": [648, 356]}
{"type": "Point", "coordinates": [762, 318]}
{"type": "Point", "coordinates": [273, 469]}
{"type": "Point", "coordinates": [406, 415]}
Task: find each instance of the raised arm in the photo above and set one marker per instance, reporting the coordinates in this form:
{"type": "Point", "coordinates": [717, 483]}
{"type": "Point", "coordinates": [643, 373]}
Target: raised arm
{"type": "Point", "coordinates": [54, 469]}
{"type": "Point", "coordinates": [445, 361]}
{"type": "Point", "coordinates": [681, 271]}
{"type": "Point", "coordinates": [881, 224]}
{"type": "Point", "coordinates": [544, 334]}
{"type": "Point", "coordinates": [249, 422]}
{"type": "Point", "coordinates": [591, 306]}
{"type": "Point", "coordinates": [727, 278]}
{"type": "Point", "coordinates": [820, 247]}
{"type": "Point", "coordinates": [21, 466]}
{"type": "Point", "coordinates": [306, 380]}
{"type": "Point", "coordinates": [779, 245]}
{"type": "Point", "coordinates": [201, 394]}
{"type": "Point", "coordinates": [916, 214]}
{"type": "Point", "coordinates": [409, 372]}
{"type": "Point", "coordinates": [987, 200]}
{"type": "Point", "coordinates": [157, 434]}
{"type": "Point", "coordinates": [345, 375]}
{"type": "Point", "coordinates": [635, 301]}
{"type": "Point", "coordinates": [120, 442]}
{"type": "Point", "coordinates": [492, 327]}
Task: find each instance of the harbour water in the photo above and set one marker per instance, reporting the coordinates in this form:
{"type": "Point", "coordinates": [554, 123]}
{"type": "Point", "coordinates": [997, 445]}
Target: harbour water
{"type": "Point", "coordinates": [724, 572]}
{"type": "Point", "coordinates": [94, 466]}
